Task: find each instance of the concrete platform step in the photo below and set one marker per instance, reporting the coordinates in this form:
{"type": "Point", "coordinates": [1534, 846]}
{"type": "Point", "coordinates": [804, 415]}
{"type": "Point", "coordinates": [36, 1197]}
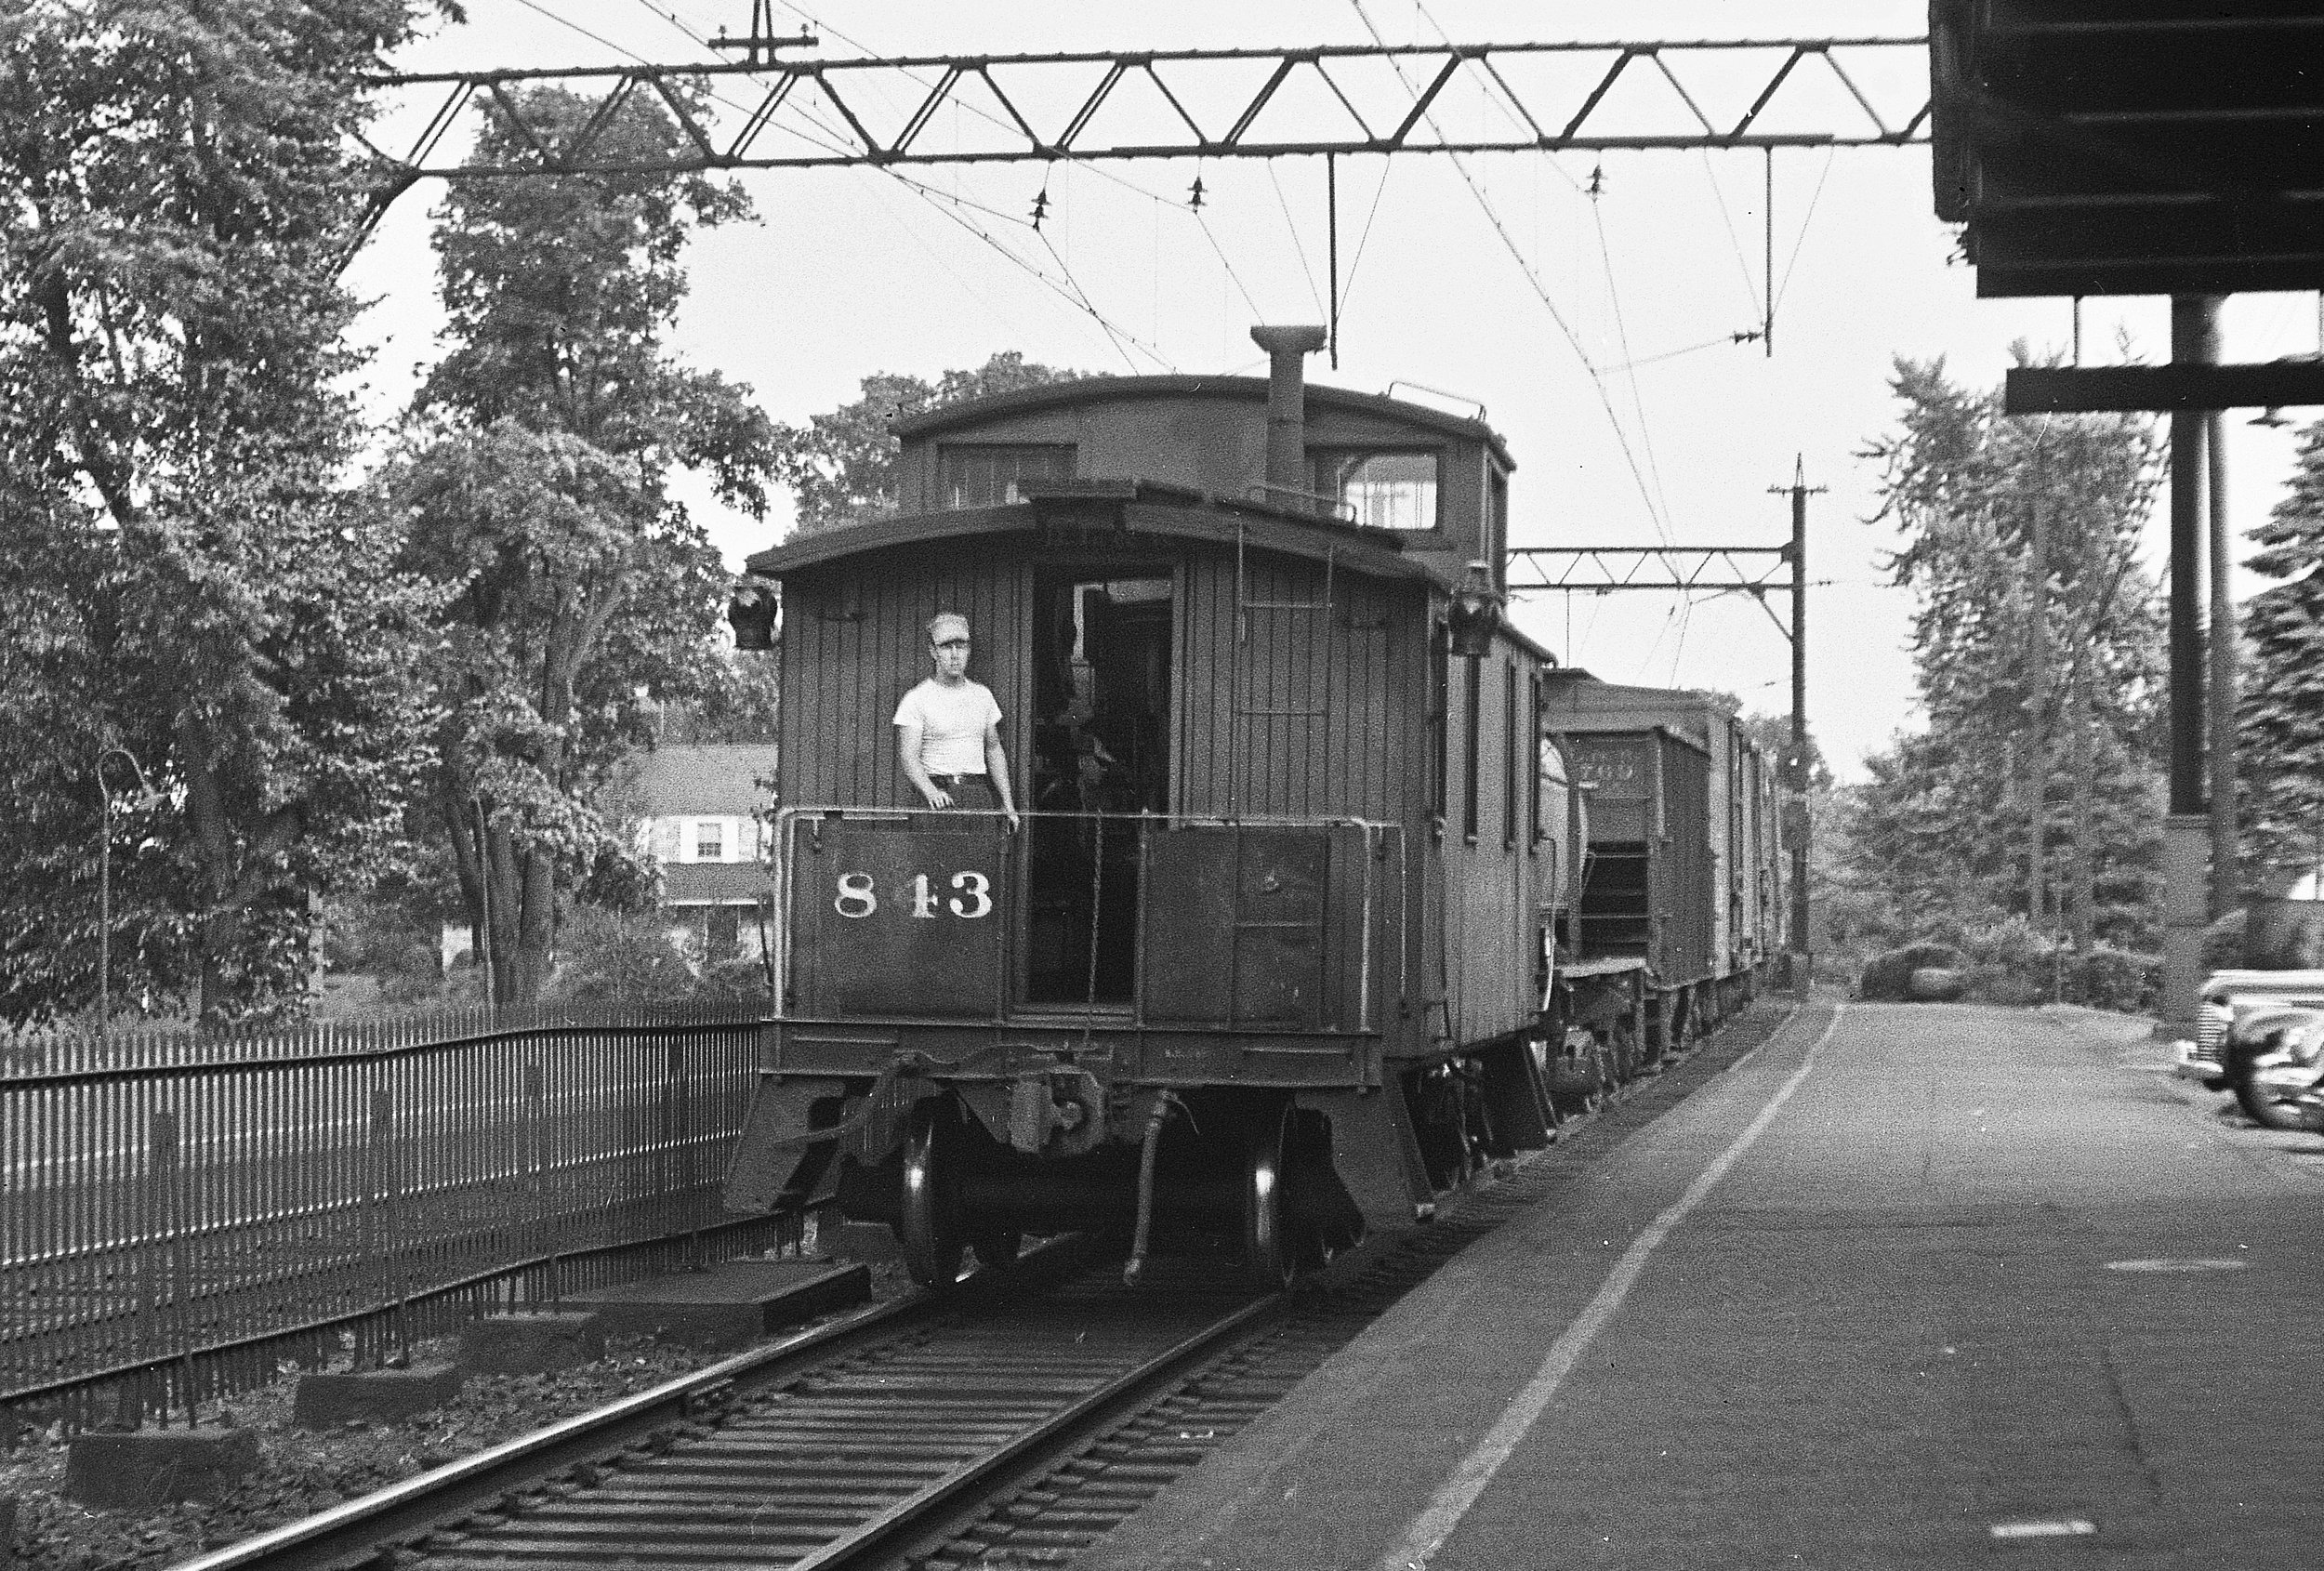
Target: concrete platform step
{"type": "Point", "coordinates": [727, 1305]}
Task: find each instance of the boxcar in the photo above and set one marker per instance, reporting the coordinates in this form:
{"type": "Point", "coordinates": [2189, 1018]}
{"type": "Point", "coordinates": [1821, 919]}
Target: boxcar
{"type": "Point", "coordinates": [1260, 967]}
{"type": "Point", "coordinates": [1685, 872]}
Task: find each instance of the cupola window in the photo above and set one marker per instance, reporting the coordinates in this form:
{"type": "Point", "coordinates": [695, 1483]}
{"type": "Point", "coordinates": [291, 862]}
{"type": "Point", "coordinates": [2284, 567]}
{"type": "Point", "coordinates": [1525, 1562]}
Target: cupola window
{"type": "Point", "coordinates": [1384, 488]}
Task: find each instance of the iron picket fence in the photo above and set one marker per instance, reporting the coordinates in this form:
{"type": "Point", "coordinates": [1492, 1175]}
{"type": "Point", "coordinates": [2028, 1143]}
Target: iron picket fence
{"type": "Point", "coordinates": [179, 1215]}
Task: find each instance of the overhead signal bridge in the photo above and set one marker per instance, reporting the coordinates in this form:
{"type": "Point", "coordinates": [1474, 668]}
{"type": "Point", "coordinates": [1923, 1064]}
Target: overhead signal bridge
{"type": "Point", "coordinates": [1192, 103]}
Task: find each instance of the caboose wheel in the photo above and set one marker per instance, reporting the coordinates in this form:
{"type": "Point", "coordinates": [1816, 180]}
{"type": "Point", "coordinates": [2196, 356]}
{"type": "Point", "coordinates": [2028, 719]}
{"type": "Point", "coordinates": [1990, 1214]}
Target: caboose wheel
{"type": "Point", "coordinates": [930, 1232]}
{"type": "Point", "coordinates": [1271, 1252]}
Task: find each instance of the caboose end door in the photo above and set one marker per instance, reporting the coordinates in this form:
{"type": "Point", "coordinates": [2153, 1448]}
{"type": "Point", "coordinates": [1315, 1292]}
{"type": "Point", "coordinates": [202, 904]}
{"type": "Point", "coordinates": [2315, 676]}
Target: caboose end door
{"type": "Point", "coordinates": [1101, 731]}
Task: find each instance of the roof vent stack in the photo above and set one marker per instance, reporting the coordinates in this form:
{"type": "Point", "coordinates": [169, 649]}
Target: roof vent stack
{"type": "Point", "coordinates": [1287, 402]}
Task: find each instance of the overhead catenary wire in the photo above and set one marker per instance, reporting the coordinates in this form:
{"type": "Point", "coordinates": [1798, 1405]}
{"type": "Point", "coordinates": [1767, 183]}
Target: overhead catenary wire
{"type": "Point", "coordinates": [1782, 287]}
{"type": "Point", "coordinates": [1621, 332]}
{"type": "Point", "coordinates": [1734, 240]}
{"type": "Point", "coordinates": [1347, 285]}
{"type": "Point", "coordinates": [1071, 157]}
{"type": "Point", "coordinates": [1083, 296]}
{"type": "Point", "coordinates": [1070, 291]}
{"type": "Point", "coordinates": [1525, 267]}
{"type": "Point", "coordinates": [1307, 269]}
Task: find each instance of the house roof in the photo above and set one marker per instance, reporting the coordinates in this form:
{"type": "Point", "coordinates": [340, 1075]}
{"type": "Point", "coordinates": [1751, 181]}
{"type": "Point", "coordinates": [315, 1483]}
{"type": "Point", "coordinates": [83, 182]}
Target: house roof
{"type": "Point", "coordinates": [716, 781]}
{"type": "Point", "coordinates": [714, 883]}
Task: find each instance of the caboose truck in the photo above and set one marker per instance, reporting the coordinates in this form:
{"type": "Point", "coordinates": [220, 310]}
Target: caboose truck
{"type": "Point", "coordinates": [1264, 964]}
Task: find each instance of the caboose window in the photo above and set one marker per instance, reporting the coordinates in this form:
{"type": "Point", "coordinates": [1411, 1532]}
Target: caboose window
{"type": "Point", "coordinates": [989, 474]}
{"type": "Point", "coordinates": [1383, 489]}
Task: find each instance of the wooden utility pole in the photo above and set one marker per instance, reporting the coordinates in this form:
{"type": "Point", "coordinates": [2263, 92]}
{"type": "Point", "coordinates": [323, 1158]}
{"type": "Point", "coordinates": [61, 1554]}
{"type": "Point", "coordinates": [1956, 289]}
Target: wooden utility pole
{"type": "Point", "coordinates": [1798, 771]}
{"type": "Point", "coordinates": [2037, 711]}
{"type": "Point", "coordinates": [2085, 764]}
{"type": "Point", "coordinates": [2220, 710]}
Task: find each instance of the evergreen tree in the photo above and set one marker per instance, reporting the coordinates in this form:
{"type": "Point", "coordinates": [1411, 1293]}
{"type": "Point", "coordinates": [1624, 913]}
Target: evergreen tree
{"type": "Point", "coordinates": [2281, 718]}
{"type": "Point", "coordinates": [581, 595]}
{"type": "Point", "coordinates": [2040, 688]}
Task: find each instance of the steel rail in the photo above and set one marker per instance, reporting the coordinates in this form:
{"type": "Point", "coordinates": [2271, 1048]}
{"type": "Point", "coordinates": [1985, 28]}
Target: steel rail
{"type": "Point", "coordinates": [914, 1518]}
{"type": "Point", "coordinates": [429, 1502]}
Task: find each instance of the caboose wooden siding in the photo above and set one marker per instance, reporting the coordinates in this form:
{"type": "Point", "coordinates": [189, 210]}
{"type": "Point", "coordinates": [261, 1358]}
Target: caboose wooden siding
{"type": "Point", "coordinates": [1295, 683]}
{"type": "Point", "coordinates": [853, 644]}
{"type": "Point", "coordinates": [1288, 703]}
{"type": "Point", "coordinates": [1491, 884]}
{"type": "Point", "coordinates": [1302, 688]}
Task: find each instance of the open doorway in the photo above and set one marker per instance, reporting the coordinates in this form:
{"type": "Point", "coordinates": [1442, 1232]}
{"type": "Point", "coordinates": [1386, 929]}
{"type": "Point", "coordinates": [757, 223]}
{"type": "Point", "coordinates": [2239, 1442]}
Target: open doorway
{"type": "Point", "coordinates": [1100, 744]}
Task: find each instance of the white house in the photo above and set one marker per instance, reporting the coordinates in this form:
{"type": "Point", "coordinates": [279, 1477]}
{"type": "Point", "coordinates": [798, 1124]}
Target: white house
{"type": "Point", "coordinates": [696, 815]}
{"type": "Point", "coordinates": [697, 809]}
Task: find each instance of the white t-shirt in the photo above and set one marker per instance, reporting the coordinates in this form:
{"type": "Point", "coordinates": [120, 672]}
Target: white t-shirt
{"type": "Point", "coordinates": [952, 721]}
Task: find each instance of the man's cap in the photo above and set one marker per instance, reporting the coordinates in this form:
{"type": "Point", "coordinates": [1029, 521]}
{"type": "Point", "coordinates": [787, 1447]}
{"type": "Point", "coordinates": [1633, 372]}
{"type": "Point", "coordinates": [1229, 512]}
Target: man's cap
{"type": "Point", "coordinates": [948, 624]}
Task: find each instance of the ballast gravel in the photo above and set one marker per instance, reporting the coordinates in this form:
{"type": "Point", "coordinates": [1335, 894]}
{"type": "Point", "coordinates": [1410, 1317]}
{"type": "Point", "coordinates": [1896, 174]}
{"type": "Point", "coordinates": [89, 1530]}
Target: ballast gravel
{"type": "Point", "coordinates": [302, 1472]}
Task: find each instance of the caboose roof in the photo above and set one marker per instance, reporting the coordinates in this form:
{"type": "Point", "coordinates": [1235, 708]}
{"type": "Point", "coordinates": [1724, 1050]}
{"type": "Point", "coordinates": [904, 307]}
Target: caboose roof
{"type": "Point", "coordinates": [1140, 508]}
{"type": "Point", "coordinates": [1252, 390]}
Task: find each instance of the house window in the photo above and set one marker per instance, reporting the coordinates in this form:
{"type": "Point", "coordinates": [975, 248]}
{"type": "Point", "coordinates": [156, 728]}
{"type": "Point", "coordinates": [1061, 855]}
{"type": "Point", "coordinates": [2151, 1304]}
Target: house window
{"type": "Point", "coordinates": [987, 474]}
{"type": "Point", "coordinates": [710, 839]}
{"type": "Point", "coordinates": [1383, 489]}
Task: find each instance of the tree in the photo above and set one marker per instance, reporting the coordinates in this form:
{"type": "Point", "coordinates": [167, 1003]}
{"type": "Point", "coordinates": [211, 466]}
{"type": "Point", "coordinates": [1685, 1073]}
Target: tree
{"type": "Point", "coordinates": [2281, 717]}
{"type": "Point", "coordinates": [841, 467]}
{"type": "Point", "coordinates": [2033, 627]}
{"type": "Point", "coordinates": [174, 431]}
{"type": "Point", "coordinates": [533, 483]}
{"type": "Point", "coordinates": [741, 705]}
{"type": "Point", "coordinates": [1772, 735]}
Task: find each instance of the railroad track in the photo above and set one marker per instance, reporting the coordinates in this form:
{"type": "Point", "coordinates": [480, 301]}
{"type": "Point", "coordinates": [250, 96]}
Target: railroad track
{"type": "Point", "coordinates": [838, 1447]}
{"type": "Point", "coordinates": [1010, 1421]}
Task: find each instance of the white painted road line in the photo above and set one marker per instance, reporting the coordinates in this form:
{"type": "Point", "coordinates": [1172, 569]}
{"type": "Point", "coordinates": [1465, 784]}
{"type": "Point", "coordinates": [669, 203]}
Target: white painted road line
{"type": "Point", "coordinates": [1427, 1532]}
{"type": "Point", "coordinates": [2179, 1265]}
{"type": "Point", "coordinates": [2053, 1528]}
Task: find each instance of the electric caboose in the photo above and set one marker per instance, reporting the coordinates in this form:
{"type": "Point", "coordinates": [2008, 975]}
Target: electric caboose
{"type": "Point", "coordinates": [1265, 961]}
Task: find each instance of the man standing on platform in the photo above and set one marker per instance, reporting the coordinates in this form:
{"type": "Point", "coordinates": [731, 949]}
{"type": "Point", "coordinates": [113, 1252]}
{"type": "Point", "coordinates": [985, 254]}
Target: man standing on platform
{"type": "Point", "coordinates": [948, 728]}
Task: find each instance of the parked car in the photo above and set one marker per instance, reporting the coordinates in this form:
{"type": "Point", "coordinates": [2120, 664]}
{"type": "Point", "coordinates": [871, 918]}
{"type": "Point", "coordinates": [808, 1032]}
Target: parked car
{"type": "Point", "coordinates": [2226, 996]}
{"type": "Point", "coordinates": [2273, 1062]}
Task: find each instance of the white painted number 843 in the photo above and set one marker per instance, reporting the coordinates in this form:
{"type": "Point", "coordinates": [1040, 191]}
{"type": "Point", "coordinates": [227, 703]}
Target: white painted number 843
{"type": "Point", "coordinates": [856, 899]}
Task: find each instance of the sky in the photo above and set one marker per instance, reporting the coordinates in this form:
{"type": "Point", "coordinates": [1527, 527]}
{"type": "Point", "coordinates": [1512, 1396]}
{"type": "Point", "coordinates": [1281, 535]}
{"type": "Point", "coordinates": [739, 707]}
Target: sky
{"type": "Point", "coordinates": [1593, 332]}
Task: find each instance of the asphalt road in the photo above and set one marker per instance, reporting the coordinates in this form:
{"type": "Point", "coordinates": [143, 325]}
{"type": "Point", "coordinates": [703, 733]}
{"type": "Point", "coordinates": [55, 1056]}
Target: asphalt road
{"type": "Point", "coordinates": [1939, 1286]}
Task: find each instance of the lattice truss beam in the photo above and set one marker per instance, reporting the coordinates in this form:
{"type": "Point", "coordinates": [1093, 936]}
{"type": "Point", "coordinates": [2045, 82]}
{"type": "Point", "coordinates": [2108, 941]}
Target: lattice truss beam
{"type": "Point", "coordinates": [1752, 569]}
{"type": "Point", "coordinates": [1190, 103]}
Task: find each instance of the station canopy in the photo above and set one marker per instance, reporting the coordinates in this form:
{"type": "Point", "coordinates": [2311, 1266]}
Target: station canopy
{"type": "Point", "coordinates": [2132, 147]}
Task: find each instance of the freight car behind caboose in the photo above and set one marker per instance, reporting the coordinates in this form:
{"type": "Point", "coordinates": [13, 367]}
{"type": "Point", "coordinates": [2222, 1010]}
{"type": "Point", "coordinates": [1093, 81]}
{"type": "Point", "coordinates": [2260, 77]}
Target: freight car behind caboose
{"type": "Point", "coordinates": [1260, 967]}
{"type": "Point", "coordinates": [1678, 920]}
